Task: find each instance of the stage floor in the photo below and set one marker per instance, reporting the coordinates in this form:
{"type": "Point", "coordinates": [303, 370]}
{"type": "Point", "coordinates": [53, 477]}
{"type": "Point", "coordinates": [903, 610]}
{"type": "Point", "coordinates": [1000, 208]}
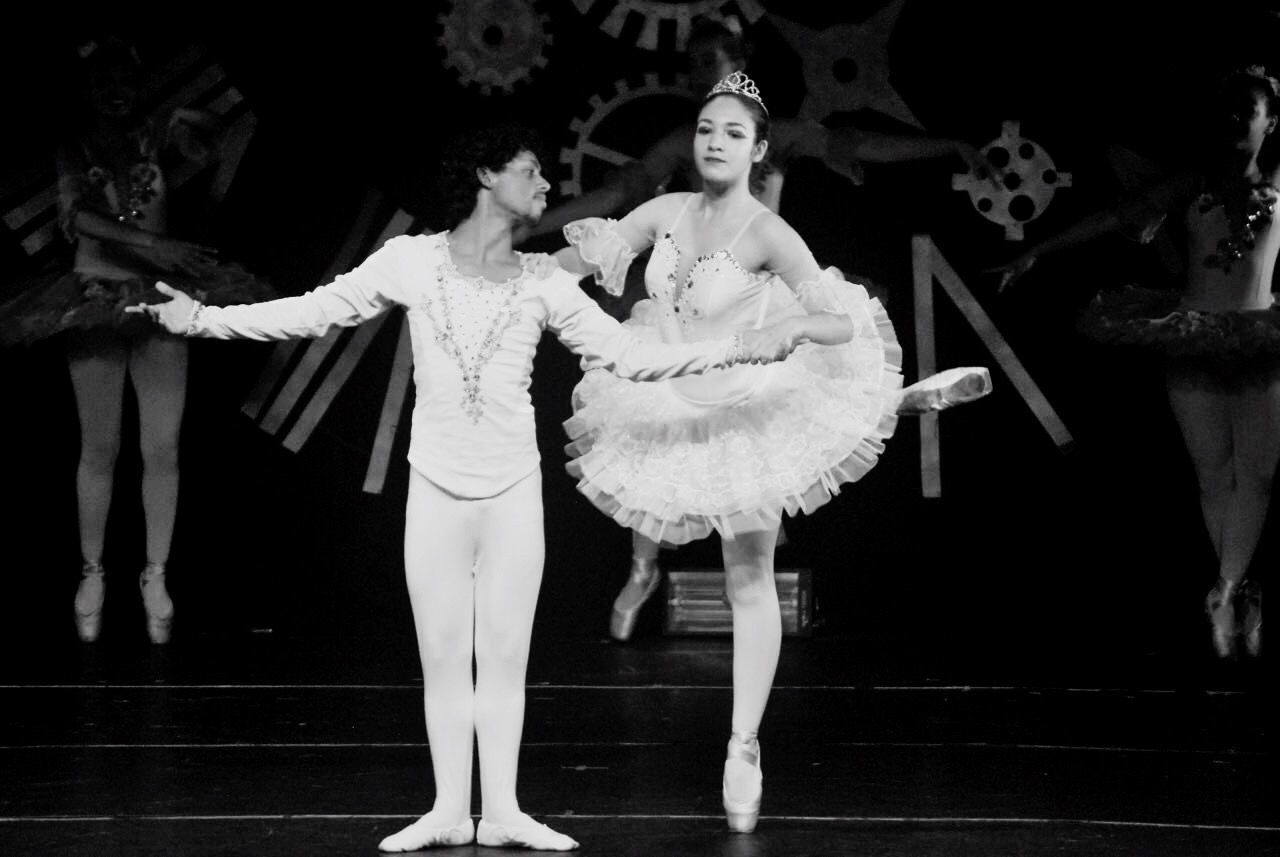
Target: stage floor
{"type": "Point", "coordinates": [285, 744]}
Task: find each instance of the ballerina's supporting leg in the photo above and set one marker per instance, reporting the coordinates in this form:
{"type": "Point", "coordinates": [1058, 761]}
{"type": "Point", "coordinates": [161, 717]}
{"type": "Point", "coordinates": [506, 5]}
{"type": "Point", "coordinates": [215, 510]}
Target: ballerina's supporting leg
{"type": "Point", "coordinates": [1232, 433]}
{"type": "Point", "coordinates": [757, 640]}
{"type": "Point", "coordinates": [98, 364]}
{"type": "Point", "coordinates": [158, 370]}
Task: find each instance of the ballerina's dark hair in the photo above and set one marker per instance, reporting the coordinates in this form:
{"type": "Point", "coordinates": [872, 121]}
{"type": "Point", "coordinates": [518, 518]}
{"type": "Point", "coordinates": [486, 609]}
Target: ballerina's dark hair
{"type": "Point", "coordinates": [1254, 77]}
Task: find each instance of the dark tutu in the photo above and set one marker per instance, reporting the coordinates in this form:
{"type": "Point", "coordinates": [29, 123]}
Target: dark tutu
{"type": "Point", "coordinates": [56, 302]}
{"type": "Point", "coordinates": [1154, 321]}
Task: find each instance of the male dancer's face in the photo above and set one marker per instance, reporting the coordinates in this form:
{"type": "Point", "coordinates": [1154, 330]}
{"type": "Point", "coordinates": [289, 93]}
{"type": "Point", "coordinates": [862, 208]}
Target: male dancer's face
{"type": "Point", "coordinates": [521, 189]}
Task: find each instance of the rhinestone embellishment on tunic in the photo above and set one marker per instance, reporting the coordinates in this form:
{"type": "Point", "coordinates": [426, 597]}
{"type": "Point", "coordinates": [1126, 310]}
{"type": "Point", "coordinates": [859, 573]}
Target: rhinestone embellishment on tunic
{"type": "Point", "coordinates": [470, 322]}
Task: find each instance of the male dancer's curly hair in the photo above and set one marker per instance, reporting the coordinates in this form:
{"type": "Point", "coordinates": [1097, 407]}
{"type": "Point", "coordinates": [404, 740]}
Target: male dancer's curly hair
{"type": "Point", "coordinates": [490, 147]}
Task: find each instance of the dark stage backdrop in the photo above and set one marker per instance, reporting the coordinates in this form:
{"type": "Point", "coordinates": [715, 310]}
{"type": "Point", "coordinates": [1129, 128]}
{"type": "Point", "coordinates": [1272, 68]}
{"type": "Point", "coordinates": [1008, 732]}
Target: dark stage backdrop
{"type": "Point", "coordinates": [1027, 542]}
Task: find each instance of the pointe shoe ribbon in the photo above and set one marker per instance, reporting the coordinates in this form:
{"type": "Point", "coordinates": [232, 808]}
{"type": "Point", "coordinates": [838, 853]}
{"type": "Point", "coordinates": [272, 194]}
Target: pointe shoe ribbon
{"type": "Point", "coordinates": [743, 762]}
{"type": "Point", "coordinates": [417, 836]}
{"type": "Point", "coordinates": [536, 837]}
{"type": "Point", "coordinates": [945, 390]}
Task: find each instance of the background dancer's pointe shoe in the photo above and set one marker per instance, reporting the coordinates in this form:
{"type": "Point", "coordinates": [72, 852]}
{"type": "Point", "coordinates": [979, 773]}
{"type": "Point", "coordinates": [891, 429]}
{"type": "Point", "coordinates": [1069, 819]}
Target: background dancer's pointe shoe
{"type": "Point", "coordinates": [156, 602]}
{"type": "Point", "coordinates": [1220, 604]}
{"type": "Point", "coordinates": [418, 836]}
{"type": "Point", "coordinates": [643, 582]}
{"type": "Point", "coordinates": [1251, 622]}
{"type": "Point", "coordinates": [743, 784]}
{"type": "Point", "coordinates": [89, 597]}
{"type": "Point", "coordinates": [945, 390]}
{"type": "Point", "coordinates": [535, 837]}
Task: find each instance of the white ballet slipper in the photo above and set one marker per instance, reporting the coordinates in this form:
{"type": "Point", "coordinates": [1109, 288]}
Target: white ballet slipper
{"type": "Point", "coordinates": [418, 836]}
{"type": "Point", "coordinates": [535, 837]}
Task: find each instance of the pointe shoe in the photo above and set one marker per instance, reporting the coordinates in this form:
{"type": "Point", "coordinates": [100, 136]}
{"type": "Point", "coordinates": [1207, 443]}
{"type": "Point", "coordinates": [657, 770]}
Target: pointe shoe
{"type": "Point", "coordinates": [1251, 622]}
{"type": "Point", "coordinates": [89, 597]}
{"type": "Point", "coordinates": [416, 836]}
{"type": "Point", "coordinates": [645, 574]}
{"type": "Point", "coordinates": [1221, 607]}
{"type": "Point", "coordinates": [535, 837]}
{"type": "Point", "coordinates": [945, 390]}
{"type": "Point", "coordinates": [742, 772]}
{"type": "Point", "coordinates": [156, 601]}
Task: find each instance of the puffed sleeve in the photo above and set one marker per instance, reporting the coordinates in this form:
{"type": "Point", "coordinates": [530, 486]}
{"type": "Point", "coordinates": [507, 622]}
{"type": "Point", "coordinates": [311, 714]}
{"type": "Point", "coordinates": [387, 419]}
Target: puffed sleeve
{"type": "Point", "coordinates": [354, 297]}
{"type": "Point", "coordinates": [830, 292]}
{"type": "Point", "coordinates": [602, 246]}
{"type": "Point", "coordinates": [604, 343]}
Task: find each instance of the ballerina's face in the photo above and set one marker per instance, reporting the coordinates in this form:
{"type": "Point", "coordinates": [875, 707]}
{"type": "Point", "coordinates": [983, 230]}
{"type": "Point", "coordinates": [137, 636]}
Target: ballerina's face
{"type": "Point", "coordinates": [113, 90]}
{"type": "Point", "coordinates": [724, 143]}
{"type": "Point", "coordinates": [1246, 119]}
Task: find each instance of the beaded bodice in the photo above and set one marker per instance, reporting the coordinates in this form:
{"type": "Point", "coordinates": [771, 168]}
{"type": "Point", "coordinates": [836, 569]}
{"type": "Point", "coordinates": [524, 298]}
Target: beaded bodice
{"type": "Point", "coordinates": [705, 297]}
{"type": "Point", "coordinates": [469, 315]}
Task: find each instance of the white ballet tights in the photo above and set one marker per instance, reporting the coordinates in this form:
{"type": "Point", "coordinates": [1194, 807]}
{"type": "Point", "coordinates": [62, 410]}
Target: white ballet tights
{"type": "Point", "coordinates": [473, 569]}
{"type": "Point", "coordinates": [757, 624]}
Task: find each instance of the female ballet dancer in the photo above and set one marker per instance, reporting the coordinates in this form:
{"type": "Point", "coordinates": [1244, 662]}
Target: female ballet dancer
{"type": "Point", "coordinates": [716, 50]}
{"type": "Point", "coordinates": [113, 204]}
{"type": "Point", "coordinates": [734, 450]}
{"type": "Point", "coordinates": [473, 531]}
{"type": "Point", "coordinates": [1219, 333]}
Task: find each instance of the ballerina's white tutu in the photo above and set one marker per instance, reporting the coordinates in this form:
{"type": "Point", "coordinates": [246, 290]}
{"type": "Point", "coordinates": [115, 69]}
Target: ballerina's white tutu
{"type": "Point", "coordinates": [734, 449]}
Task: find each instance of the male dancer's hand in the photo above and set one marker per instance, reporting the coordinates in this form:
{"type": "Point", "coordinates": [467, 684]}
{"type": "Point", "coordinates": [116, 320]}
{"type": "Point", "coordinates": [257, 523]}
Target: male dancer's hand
{"type": "Point", "coordinates": [174, 315]}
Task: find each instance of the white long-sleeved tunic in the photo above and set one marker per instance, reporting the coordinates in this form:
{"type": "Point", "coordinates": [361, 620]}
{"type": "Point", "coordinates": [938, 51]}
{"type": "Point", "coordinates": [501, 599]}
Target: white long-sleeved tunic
{"type": "Point", "coordinates": [473, 345]}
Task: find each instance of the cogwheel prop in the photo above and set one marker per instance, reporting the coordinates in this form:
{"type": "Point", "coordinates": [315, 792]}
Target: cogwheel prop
{"type": "Point", "coordinates": [1028, 181]}
{"type": "Point", "coordinates": [846, 66]}
{"type": "Point", "coordinates": [659, 25]}
{"type": "Point", "coordinates": [618, 130]}
{"type": "Point", "coordinates": [494, 44]}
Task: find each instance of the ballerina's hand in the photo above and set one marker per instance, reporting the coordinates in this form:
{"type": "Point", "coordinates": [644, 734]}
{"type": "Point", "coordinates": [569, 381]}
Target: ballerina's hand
{"type": "Point", "coordinates": [174, 315]}
{"type": "Point", "coordinates": [1011, 272]}
{"type": "Point", "coordinates": [771, 343]}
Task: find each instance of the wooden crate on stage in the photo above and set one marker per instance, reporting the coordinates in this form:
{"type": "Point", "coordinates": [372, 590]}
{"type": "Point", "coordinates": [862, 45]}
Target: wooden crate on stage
{"type": "Point", "coordinates": [696, 602]}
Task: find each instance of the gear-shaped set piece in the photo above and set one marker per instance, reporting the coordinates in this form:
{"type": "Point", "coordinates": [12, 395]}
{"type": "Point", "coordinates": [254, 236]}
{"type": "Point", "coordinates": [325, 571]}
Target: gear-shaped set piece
{"type": "Point", "coordinates": [662, 25]}
{"type": "Point", "coordinates": [618, 129]}
{"type": "Point", "coordinates": [494, 44]}
{"type": "Point", "coordinates": [1028, 180]}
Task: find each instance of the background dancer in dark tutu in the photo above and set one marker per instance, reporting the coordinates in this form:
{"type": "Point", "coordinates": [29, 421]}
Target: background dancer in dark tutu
{"type": "Point", "coordinates": [1218, 334]}
{"type": "Point", "coordinates": [114, 205]}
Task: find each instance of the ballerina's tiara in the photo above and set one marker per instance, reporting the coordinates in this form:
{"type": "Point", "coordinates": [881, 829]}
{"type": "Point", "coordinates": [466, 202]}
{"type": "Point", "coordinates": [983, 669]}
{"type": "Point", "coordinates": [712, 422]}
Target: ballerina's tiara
{"type": "Point", "coordinates": [737, 83]}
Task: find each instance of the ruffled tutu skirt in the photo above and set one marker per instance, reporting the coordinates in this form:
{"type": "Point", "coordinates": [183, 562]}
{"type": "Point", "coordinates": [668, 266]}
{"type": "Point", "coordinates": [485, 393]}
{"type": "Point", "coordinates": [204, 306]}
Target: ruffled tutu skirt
{"type": "Point", "coordinates": [1153, 321]}
{"type": "Point", "coordinates": [734, 449]}
{"type": "Point", "coordinates": [56, 302]}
